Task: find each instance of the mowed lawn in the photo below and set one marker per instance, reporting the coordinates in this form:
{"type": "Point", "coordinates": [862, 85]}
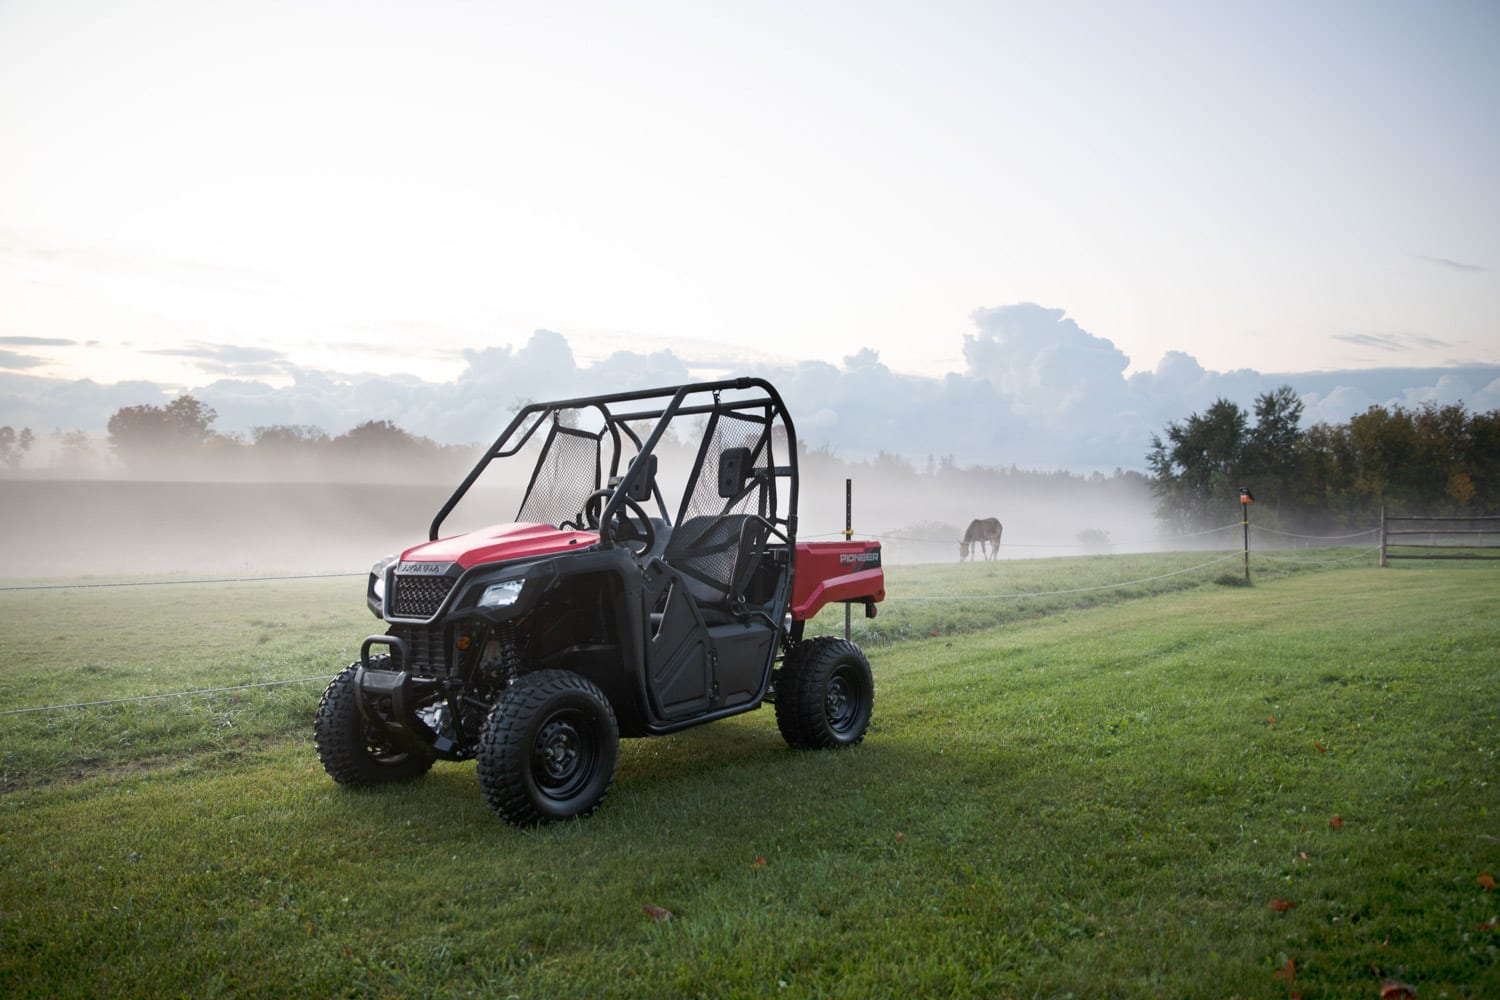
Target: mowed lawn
{"type": "Point", "coordinates": [1285, 789]}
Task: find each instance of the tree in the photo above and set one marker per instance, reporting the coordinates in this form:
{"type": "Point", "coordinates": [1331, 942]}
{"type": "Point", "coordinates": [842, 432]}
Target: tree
{"type": "Point", "coordinates": [381, 436]}
{"type": "Point", "coordinates": [1271, 456]}
{"type": "Point", "coordinates": [14, 446]}
{"type": "Point", "coordinates": [147, 434]}
{"type": "Point", "coordinates": [74, 449]}
{"type": "Point", "coordinates": [1194, 471]}
{"type": "Point", "coordinates": [289, 437]}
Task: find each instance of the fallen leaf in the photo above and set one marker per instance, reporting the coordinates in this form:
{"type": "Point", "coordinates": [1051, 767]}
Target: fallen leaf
{"type": "Point", "coordinates": [1280, 905]}
{"type": "Point", "coordinates": [657, 913]}
{"type": "Point", "coordinates": [1287, 971]}
{"type": "Point", "coordinates": [1488, 925]}
{"type": "Point", "coordinates": [1392, 989]}
{"type": "Point", "coordinates": [1302, 855]}
{"type": "Point", "coordinates": [900, 837]}
{"type": "Point", "coordinates": [1337, 822]}
{"type": "Point", "coordinates": [1319, 747]}
{"type": "Point", "coordinates": [934, 632]}
{"type": "Point", "coordinates": [759, 862]}
{"type": "Point", "coordinates": [1486, 882]}
{"type": "Point", "coordinates": [1270, 720]}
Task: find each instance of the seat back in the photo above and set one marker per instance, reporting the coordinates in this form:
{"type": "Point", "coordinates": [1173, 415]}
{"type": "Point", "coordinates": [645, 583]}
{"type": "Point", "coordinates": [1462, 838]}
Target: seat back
{"type": "Point", "coordinates": [715, 555]}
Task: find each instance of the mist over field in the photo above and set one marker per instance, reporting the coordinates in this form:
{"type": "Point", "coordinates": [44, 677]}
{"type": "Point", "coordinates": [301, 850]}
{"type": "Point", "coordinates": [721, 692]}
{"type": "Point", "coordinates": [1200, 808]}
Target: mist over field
{"type": "Point", "coordinates": [108, 529]}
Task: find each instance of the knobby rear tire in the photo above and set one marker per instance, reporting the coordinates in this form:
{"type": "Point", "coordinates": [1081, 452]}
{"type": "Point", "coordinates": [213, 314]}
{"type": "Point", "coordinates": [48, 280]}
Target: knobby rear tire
{"type": "Point", "coordinates": [825, 694]}
{"type": "Point", "coordinates": [548, 749]}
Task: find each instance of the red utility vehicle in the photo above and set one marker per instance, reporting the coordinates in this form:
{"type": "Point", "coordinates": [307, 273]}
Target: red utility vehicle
{"type": "Point", "coordinates": [651, 581]}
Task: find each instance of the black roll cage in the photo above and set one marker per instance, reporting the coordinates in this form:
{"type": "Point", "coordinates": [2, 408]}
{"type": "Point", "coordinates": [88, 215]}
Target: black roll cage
{"type": "Point", "coordinates": [533, 416]}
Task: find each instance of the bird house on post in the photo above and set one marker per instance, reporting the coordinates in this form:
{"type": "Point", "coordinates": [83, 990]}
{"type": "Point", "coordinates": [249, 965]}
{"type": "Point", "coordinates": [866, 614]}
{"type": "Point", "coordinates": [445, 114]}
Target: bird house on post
{"type": "Point", "coordinates": [1246, 499]}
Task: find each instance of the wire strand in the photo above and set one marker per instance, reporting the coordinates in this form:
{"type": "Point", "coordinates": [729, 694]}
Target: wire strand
{"type": "Point", "coordinates": [158, 697]}
{"type": "Point", "coordinates": [180, 583]}
{"type": "Point", "coordinates": [1055, 593]}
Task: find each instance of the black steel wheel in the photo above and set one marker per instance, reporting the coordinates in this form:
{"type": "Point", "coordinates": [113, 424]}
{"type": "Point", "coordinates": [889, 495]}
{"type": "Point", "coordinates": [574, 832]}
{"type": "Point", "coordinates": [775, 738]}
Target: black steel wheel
{"type": "Point", "coordinates": [353, 751]}
{"type": "Point", "coordinates": [825, 694]}
{"type": "Point", "coordinates": [548, 749]}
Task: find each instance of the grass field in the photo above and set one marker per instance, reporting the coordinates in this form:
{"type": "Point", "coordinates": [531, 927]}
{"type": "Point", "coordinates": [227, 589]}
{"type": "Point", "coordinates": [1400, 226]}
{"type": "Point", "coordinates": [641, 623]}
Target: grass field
{"type": "Point", "coordinates": [1284, 789]}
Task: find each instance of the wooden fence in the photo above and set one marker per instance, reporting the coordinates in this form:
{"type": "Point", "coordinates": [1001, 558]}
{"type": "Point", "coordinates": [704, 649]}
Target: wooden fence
{"type": "Point", "coordinates": [1438, 537]}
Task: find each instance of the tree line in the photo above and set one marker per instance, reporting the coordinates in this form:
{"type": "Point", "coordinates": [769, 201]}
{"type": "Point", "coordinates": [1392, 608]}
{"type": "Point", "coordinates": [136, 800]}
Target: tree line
{"type": "Point", "coordinates": [178, 438]}
{"type": "Point", "coordinates": [1432, 460]}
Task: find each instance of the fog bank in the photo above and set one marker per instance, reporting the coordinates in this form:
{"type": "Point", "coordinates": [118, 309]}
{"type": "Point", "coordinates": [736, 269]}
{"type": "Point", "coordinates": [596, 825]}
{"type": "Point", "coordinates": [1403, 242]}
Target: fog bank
{"type": "Point", "coordinates": [119, 529]}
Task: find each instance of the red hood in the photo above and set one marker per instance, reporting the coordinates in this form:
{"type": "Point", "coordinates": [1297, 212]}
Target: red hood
{"type": "Point", "coordinates": [499, 543]}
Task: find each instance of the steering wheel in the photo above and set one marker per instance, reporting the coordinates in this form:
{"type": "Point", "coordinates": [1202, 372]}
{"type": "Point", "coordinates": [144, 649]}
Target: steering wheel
{"type": "Point", "coordinates": [632, 530]}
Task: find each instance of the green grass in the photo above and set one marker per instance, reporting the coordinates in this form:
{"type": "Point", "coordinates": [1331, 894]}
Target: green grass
{"type": "Point", "coordinates": [67, 646]}
{"type": "Point", "coordinates": [1098, 802]}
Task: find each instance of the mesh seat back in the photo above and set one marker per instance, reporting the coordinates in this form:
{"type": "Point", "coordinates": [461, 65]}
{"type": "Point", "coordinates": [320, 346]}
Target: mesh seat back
{"type": "Point", "coordinates": [710, 552]}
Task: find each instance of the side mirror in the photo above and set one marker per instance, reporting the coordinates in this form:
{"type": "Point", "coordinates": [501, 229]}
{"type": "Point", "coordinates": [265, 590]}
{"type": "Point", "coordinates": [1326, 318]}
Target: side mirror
{"type": "Point", "coordinates": [735, 466]}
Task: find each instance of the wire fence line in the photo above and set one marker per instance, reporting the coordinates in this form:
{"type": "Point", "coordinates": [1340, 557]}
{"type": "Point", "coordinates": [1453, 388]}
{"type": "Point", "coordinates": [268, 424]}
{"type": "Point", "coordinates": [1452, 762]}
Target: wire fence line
{"type": "Point", "coordinates": [159, 697]}
{"type": "Point", "coordinates": [201, 692]}
{"type": "Point", "coordinates": [1059, 593]}
{"type": "Point", "coordinates": [892, 535]}
{"type": "Point", "coordinates": [1321, 538]}
{"type": "Point", "coordinates": [899, 536]}
{"type": "Point", "coordinates": [181, 583]}
{"type": "Point", "coordinates": [1299, 557]}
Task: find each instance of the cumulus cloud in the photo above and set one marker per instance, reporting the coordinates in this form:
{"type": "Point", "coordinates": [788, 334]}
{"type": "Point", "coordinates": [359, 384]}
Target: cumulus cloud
{"type": "Point", "coordinates": [1046, 363]}
{"type": "Point", "coordinates": [1037, 391]}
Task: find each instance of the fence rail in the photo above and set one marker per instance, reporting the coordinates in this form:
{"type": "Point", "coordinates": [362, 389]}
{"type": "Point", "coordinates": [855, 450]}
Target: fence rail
{"type": "Point", "coordinates": [1400, 534]}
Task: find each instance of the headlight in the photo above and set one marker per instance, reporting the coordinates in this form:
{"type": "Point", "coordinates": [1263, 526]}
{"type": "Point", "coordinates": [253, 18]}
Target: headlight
{"type": "Point", "coordinates": [502, 594]}
{"type": "Point", "coordinates": [377, 577]}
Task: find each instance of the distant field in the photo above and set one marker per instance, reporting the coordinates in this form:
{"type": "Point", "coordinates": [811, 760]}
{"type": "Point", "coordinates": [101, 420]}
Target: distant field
{"type": "Point", "coordinates": [109, 528]}
{"type": "Point", "coordinates": [1219, 791]}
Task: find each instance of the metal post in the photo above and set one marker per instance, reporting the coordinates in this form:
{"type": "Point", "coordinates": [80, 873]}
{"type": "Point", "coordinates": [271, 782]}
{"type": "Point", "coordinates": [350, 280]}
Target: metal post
{"type": "Point", "coordinates": [1382, 536]}
{"type": "Point", "coordinates": [848, 536]}
{"type": "Point", "coordinates": [1246, 499]}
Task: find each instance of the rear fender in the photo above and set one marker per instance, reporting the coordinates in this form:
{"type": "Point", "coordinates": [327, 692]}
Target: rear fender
{"type": "Point", "coordinates": [834, 573]}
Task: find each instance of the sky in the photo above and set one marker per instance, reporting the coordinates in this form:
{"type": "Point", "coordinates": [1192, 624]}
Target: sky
{"type": "Point", "coordinates": [318, 208]}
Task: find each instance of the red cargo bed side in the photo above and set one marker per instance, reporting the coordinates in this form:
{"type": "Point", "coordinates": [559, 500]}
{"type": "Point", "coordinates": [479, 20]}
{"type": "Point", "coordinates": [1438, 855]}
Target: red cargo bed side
{"type": "Point", "coordinates": [833, 572]}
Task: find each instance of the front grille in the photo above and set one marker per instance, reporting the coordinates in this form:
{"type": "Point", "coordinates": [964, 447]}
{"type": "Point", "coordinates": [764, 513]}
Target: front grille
{"type": "Point", "coordinates": [419, 596]}
{"type": "Point", "coordinates": [427, 648]}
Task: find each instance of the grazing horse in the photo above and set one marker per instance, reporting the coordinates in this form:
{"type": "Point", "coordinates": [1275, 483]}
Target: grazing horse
{"type": "Point", "coordinates": [986, 532]}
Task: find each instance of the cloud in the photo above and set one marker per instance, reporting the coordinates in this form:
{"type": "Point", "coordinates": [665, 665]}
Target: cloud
{"type": "Point", "coordinates": [36, 342]}
{"type": "Point", "coordinates": [1394, 342]}
{"type": "Point", "coordinates": [1046, 363]}
{"type": "Point", "coordinates": [16, 362]}
{"type": "Point", "coordinates": [1038, 391]}
{"type": "Point", "coordinates": [1455, 265]}
{"type": "Point", "coordinates": [224, 359]}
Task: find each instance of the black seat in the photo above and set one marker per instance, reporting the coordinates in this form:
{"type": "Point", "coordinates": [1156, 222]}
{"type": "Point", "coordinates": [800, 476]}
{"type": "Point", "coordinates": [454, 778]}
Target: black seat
{"type": "Point", "coordinates": [715, 556]}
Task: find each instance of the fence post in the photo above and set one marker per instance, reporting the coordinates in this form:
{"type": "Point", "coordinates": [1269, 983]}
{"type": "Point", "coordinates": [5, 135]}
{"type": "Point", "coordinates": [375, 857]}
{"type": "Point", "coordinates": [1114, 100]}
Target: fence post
{"type": "Point", "coordinates": [1246, 499]}
{"type": "Point", "coordinates": [848, 535]}
{"type": "Point", "coordinates": [1382, 536]}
